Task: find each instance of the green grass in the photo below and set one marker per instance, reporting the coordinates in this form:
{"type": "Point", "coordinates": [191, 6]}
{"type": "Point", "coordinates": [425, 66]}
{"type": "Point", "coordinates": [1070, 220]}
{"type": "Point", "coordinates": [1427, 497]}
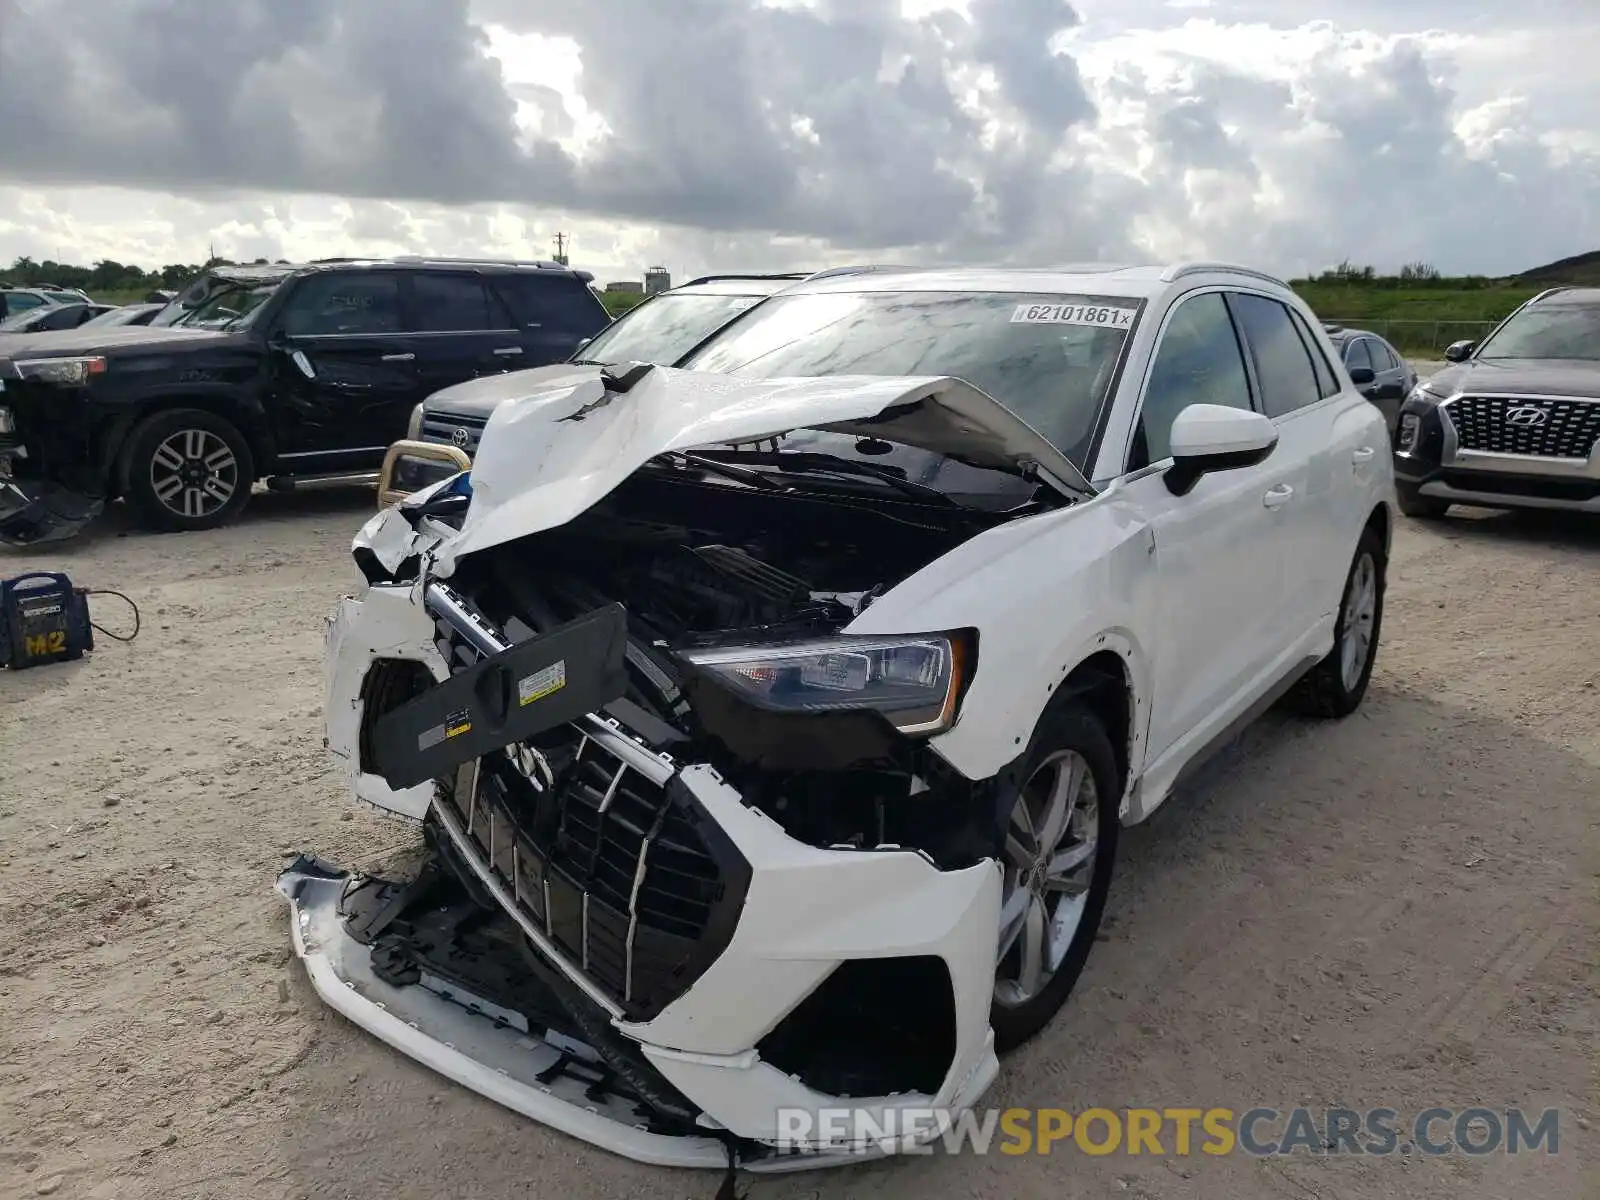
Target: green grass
{"type": "Point", "coordinates": [1417, 320]}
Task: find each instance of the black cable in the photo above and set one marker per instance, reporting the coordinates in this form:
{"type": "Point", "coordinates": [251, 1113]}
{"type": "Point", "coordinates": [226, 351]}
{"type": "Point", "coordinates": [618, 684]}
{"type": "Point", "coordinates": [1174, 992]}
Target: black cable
{"type": "Point", "coordinates": [116, 637]}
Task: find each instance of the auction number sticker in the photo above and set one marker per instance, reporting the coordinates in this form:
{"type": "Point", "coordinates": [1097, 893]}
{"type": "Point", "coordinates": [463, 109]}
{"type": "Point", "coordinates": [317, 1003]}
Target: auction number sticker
{"type": "Point", "coordinates": [1101, 316]}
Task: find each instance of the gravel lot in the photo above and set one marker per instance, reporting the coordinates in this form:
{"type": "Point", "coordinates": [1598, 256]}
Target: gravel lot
{"type": "Point", "coordinates": [1396, 910]}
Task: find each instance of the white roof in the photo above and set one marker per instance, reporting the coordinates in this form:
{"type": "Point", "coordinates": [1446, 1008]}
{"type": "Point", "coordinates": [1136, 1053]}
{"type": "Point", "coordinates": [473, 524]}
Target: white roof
{"type": "Point", "coordinates": [1114, 279]}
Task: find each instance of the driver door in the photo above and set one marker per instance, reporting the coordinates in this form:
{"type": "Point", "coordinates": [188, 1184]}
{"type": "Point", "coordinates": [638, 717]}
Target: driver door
{"type": "Point", "coordinates": [344, 371]}
{"type": "Point", "coordinates": [1218, 551]}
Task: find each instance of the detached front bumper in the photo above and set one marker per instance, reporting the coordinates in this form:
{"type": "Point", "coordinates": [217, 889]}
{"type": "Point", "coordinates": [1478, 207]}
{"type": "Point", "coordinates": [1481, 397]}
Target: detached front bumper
{"type": "Point", "coordinates": [813, 924]}
{"type": "Point", "coordinates": [33, 512]}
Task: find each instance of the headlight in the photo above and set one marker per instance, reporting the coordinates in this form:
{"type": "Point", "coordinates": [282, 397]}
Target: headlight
{"type": "Point", "coordinates": [74, 372]}
{"type": "Point", "coordinates": [8, 423]}
{"type": "Point", "coordinates": [913, 681]}
{"type": "Point", "coordinates": [414, 428]}
{"type": "Point", "coordinates": [1410, 426]}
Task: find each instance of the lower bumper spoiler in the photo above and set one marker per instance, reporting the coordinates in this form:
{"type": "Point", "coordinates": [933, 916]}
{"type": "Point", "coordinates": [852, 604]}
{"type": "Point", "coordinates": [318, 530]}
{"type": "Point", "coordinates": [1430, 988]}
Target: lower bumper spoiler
{"type": "Point", "coordinates": [35, 512]}
{"type": "Point", "coordinates": [483, 1047]}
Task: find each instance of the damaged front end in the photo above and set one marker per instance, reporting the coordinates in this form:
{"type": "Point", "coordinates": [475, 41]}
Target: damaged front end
{"type": "Point", "coordinates": [49, 490]}
{"type": "Point", "coordinates": [693, 865]}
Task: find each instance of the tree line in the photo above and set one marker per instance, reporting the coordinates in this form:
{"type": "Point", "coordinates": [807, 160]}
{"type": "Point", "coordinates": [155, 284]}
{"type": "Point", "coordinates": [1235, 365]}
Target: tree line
{"type": "Point", "coordinates": [108, 275]}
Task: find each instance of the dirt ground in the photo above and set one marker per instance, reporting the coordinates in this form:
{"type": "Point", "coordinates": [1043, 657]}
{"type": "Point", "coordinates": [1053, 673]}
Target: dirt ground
{"type": "Point", "coordinates": [1397, 910]}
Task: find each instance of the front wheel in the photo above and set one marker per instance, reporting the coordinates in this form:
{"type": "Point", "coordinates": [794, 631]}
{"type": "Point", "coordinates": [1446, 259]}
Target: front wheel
{"type": "Point", "coordinates": [1337, 684]}
{"type": "Point", "coordinates": [1060, 845]}
{"type": "Point", "coordinates": [187, 469]}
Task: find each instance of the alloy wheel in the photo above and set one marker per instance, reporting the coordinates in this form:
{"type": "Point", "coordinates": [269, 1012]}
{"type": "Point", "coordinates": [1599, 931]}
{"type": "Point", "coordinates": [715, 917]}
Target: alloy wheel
{"type": "Point", "coordinates": [1049, 863]}
{"type": "Point", "coordinates": [1360, 612]}
{"type": "Point", "coordinates": [193, 473]}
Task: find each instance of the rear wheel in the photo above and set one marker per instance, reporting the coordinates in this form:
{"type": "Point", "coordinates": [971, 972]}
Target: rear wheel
{"type": "Point", "coordinates": [1414, 504]}
{"type": "Point", "coordinates": [1337, 684]}
{"type": "Point", "coordinates": [1060, 845]}
{"type": "Point", "coordinates": [187, 469]}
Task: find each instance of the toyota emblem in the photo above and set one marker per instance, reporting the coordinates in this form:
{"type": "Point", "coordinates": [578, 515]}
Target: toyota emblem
{"type": "Point", "coordinates": [1527, 416]}
{"type": "Point", "coordinates": [460, 437]}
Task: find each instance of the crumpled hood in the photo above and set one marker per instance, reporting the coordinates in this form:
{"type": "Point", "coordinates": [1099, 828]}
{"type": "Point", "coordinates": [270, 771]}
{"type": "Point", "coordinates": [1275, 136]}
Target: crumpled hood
{"type": "Point", "coordinates": [1518, 377]}
{"type": "Point", "coordinates": [565, 441]}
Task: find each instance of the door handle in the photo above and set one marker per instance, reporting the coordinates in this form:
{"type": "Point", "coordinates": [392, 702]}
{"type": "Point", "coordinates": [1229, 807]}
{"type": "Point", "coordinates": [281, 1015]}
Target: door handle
{"type": "Point", "coordinates": [1362, 456]}
{"type": "Point", "coordinates": [508, 350]}
{"type": "Point", "coordinates": [398, 357]}
{"type": "Point", "coordinates": [1277, 497]}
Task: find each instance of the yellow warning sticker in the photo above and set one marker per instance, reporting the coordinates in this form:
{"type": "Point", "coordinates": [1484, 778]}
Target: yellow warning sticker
{"type": "Point", "coordinates": [458, 723]}
{"type": "Point", "coordinates": [542, 683]}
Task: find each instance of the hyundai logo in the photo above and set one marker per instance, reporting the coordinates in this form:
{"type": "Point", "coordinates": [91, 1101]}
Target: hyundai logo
{"type": "Point", "coordinates": [460, 437]}
{"type": "Point", "coordinates": [1527, 416]}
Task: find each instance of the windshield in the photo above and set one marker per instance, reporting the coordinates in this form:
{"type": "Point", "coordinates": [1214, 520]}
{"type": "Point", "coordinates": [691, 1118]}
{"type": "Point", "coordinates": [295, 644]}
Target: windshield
{"type": "Point", "coordinates": [1047, 358]}
{"type": "Point", "coordinates": [231, 306]}
{"type": "Point", "coordinates": [664, 329]}
{"type": "Point", "coordinates": [1549, 330]}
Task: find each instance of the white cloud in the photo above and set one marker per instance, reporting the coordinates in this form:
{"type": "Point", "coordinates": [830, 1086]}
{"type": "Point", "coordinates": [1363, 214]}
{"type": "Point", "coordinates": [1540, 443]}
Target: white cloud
{"type": "Point", "coordinates": [805, 132]}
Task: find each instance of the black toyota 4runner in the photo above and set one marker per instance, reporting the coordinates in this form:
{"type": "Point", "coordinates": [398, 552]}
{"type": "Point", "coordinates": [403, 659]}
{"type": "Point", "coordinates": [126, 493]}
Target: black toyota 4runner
{"type": "Point", "coordinates": [1514, 420]}
{"type": "Point", "coordinates": [276, 374]}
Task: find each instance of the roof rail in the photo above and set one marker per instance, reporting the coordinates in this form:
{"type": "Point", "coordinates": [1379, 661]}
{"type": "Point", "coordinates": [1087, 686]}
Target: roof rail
{"type": "Point", "coordinates": [860, 269]}
{"type": "Point", "coordinates": [1179, 270]}
{"type": "Point", "coordinates": [1565, 287]}
{"type": "Point", "coordinates": [544, 264]}
{"type": "Point", "coordinates": [746, 275]}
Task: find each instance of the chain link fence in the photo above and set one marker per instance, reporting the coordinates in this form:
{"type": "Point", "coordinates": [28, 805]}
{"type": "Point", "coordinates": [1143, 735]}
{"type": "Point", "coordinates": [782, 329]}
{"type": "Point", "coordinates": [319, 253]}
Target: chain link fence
{"type": "Point", "coordinates": [1425, 338]}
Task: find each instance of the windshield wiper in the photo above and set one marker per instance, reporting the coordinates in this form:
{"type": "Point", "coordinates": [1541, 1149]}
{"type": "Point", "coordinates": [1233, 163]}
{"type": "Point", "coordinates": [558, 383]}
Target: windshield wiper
{"type": "Point", "coordinates": [727, 470]}
{"type": "Point", "coordinates": [800, 461]}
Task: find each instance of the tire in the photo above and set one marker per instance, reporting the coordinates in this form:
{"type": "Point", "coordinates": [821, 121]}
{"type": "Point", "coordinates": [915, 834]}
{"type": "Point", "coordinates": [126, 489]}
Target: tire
{"type": "Point", "coordinates": [187, 469]}
{"type": "Point", "coordinates": [1329, 689]}
{"type": "Point", "coordinates": [1414, 504]}
{"type": "Point", "coordinates": [1068, 736]}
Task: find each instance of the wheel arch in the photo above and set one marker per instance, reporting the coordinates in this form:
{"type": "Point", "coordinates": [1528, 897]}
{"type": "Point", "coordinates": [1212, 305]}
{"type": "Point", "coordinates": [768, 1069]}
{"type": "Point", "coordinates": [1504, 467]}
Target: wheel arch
{"type": "Point", "coordinates": [1381, 521]}
{"type": "Point", "coordinates": [248, 418]}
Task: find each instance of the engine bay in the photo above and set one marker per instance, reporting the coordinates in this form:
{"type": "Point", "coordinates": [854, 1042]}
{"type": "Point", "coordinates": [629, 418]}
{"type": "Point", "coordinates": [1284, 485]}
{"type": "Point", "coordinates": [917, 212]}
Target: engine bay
{"type": "Point", "coordinates": [694, 566]}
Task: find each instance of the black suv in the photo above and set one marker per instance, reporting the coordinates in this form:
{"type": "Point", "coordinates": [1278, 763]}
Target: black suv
{"type": "Point", "coordinates": [1514, 422]}
{"type": "Point", "coordinates": [262, 373]}
{"type": "Point", "coordinates": [663, 330]}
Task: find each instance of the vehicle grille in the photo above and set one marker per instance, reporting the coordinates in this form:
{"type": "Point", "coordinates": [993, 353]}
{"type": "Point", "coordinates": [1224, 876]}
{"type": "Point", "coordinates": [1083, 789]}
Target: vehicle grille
{"type": "Point", "coordinates": [1568, 429]}
{"type": "Point", "coordinates": [633, 884]}
{"type": "Point", "coordinates": [442, 427]}
{"type": "Point", "coordinates": [614, 873]}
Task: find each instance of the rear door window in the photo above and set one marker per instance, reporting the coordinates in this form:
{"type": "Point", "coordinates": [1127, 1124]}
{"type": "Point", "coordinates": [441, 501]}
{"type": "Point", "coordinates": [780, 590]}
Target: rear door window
{"type": "Point", "coordinates": [556, 304]}
{"type": "Point", "coordinates": [1283, 363]}
{"type": "Point", "coordinates": [452, 304]}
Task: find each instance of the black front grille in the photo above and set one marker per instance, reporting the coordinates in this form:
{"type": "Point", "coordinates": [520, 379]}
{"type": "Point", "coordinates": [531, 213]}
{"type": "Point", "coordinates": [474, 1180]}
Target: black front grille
{"type": "Point", "coordinates": [446, 427]}
{"type": "Point", "coordinates": [633, 882]}
{"type": "Point", "coordinates": [613, 869]}
{"type": "Point", "coordinates": [1513, 425]}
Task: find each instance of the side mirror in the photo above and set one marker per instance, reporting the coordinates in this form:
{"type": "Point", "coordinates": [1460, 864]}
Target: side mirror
{"type": "Point", "coordinates": [1459, 351]}
{"type": "Point", "coordinates": [1361, 376]}
{"type": "Point", "coordinates": [1213, 437]}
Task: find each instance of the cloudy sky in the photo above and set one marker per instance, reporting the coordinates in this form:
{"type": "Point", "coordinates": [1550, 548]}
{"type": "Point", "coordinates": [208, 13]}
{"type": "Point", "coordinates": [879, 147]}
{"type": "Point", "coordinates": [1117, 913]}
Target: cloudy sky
{"type": "Point", "coordinates": [796, 133]}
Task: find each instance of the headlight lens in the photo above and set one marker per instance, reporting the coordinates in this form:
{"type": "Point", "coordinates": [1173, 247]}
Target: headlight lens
{"type": "Point", "coordinates": [8, 423]}
{"type": "Point", "coordinates": [1410, 425]}
{"type": "Point", "coordinates": [414, 428]}
{"type": "Point", "coordinates": [73, 372]}
{"type": "Point", "coordinates": [913, 681]}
